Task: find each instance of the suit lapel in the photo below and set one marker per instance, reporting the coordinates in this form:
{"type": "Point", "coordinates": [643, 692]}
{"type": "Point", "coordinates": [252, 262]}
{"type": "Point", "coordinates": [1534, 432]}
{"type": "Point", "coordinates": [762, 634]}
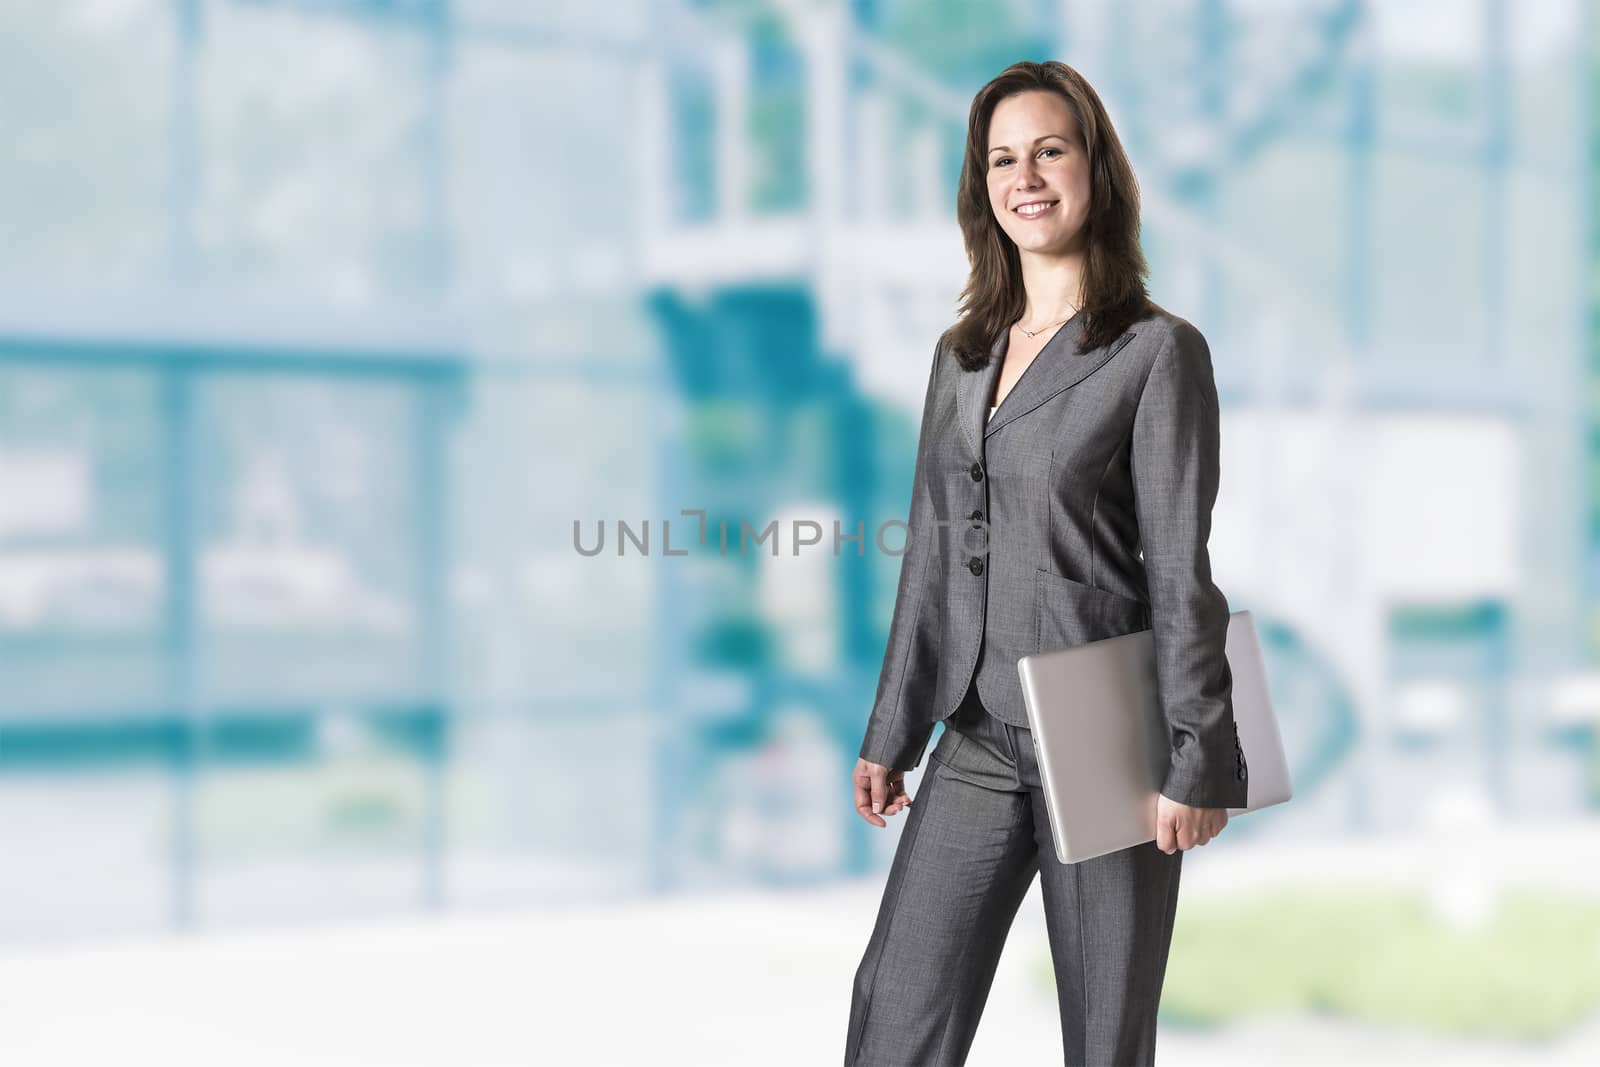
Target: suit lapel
{"type": "Point", "coordinates": [1056, 367]}
{"type": "Point", "coordinates": [972, 396]}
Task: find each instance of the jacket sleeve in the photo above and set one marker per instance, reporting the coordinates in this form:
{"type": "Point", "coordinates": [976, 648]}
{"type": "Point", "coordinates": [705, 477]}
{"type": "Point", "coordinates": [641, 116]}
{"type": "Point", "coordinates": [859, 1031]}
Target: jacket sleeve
{"type": "Point", "coordinates": [1176, 469]}
{"type": "Point", "coordinates": [896, 735]}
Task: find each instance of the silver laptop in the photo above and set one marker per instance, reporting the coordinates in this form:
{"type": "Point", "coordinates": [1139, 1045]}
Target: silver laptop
{"type": "Point", "coordinates": [1103, 743]}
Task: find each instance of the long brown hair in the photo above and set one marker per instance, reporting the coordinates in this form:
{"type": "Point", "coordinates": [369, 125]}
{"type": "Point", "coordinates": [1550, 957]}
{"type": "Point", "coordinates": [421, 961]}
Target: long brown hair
{"type": "Point", "coordinates": [1114, 267]}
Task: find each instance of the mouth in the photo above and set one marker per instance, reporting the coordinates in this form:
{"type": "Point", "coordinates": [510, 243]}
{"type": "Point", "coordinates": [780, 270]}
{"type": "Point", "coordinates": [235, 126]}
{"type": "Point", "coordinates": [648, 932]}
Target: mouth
{"type": "Point", "coordinates": [1036, 210]}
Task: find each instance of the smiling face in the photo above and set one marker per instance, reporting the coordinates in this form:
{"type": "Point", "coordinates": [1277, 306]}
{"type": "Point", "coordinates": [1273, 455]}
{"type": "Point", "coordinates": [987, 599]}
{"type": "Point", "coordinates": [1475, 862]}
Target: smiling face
{"type": "Point", "coordinates": [1036, 157]}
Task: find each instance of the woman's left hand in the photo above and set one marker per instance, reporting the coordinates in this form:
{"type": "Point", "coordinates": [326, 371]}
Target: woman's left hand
{"type": "Point", "coordinates": [1181, 826]}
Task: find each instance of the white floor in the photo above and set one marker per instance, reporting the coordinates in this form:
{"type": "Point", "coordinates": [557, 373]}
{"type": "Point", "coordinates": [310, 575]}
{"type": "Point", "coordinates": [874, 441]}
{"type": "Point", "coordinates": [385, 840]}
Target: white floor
{"type": "Point", "coordinates": [742, 979]}
{"type": "Point", "coordinates": [745, 980]}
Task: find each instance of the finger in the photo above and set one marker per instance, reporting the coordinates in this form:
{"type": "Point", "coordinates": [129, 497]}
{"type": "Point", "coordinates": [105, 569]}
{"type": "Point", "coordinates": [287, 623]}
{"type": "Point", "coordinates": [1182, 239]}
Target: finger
{"type": "Point", "coordinates": [863, 795]}
{"type": "Point", "coordinates": [1165, 840]}
{"type": "Point", "coordinates": [891, 803]}
{"type": "Point", "coordinates": [880, 789]}
{"type": "Point", "coordinates": [861, 809]}
{"type": "Point", "coordinates": [1185, 836]}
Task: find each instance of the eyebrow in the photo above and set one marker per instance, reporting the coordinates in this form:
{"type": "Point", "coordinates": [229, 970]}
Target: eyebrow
{"type": "Point", "coordinates": [1007, 148]}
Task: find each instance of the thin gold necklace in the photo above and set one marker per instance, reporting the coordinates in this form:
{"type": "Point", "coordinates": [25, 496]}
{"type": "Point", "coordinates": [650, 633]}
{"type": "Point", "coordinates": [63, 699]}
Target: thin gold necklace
{"type": "Point", "coordinates": [1042, 329]}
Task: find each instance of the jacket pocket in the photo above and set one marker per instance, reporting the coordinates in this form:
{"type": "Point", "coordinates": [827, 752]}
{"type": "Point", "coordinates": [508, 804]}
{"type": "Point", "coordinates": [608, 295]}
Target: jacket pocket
{"type": "Point", "coordinates": [1070, 613]}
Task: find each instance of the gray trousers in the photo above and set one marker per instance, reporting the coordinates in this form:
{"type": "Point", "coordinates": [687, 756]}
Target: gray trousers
{"type": "Point", "coordinates": [976, 833]}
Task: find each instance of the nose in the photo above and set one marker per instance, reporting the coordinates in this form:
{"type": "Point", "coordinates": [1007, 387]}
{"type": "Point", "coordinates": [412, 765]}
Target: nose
{"type": "Point", "coordinates": [1027, 173]}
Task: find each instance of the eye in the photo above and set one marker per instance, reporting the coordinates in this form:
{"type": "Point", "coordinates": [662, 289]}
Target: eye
{"type": "Point", "coordinates": [1007, 159]}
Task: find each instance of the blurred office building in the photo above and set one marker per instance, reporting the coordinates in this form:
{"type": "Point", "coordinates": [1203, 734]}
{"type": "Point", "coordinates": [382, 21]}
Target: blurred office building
{"type": "Point", "coordinates": [330, 329]}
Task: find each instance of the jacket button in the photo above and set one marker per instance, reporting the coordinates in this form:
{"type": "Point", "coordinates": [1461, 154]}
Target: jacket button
{"type": "Point", "coordinates": [977, 471]}
{"type": "Point", "coordinates": [976, 515]}
{"type": "Point", "coordinates": [975, 565]}
{"type": "Point", "coordinates": [1240, 775]}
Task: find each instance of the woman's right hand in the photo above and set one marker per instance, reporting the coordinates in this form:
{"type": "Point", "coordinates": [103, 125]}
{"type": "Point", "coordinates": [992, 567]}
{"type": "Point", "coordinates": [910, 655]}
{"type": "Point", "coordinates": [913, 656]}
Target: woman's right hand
{"type": "Point", "coordinates": [879, 789]}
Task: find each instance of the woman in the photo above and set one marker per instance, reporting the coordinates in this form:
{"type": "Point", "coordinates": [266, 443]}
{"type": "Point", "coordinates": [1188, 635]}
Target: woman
{"type": "Point", "coordinates": [1064, 482]}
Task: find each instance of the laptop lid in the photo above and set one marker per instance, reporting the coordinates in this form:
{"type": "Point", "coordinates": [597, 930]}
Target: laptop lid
{"type": "Point", "coordinates": [1103, 743]}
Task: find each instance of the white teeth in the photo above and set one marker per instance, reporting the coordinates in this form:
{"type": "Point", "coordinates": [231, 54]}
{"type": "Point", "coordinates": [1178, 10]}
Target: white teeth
{"type": "Point", "coordinates": [1034, 209]}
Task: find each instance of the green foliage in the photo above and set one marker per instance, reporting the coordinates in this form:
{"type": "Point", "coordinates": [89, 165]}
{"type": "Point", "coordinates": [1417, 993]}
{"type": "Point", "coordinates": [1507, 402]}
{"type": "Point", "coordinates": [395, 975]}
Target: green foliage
{"type": "Point", "coordinates": [1379, 956]}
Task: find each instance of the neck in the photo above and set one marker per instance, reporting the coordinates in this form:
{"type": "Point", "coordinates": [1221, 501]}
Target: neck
{"type": "Point", "coordinates": [1053, 284]}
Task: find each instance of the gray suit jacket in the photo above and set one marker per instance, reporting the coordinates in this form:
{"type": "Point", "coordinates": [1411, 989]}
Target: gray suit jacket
{"type": "Point", "coordinates": [1080, 511]}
